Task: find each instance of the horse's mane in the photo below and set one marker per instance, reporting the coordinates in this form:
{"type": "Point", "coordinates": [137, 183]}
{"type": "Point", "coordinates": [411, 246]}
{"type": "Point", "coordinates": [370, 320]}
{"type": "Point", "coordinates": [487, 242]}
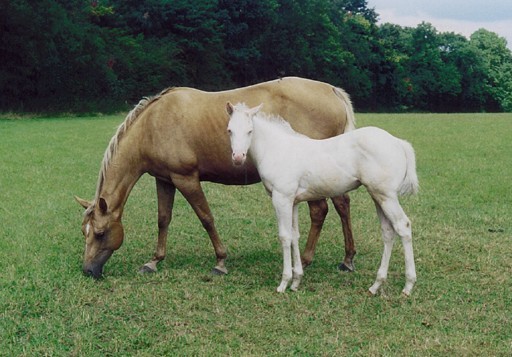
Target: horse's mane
{"type": "Point", "coordinates": [121, 131]}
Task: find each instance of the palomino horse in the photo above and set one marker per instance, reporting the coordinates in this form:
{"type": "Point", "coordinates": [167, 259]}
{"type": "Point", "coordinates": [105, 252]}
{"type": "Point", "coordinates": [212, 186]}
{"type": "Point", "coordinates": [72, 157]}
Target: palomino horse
{"type": "Point", "coordinates": [295, 168]}
{"type": "Point", "coordinates": [179, 138]}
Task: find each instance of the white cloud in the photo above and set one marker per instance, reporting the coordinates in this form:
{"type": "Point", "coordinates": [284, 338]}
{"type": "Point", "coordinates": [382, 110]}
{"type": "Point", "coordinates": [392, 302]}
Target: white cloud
{"type": "Point", "coordinates": [463, 17]}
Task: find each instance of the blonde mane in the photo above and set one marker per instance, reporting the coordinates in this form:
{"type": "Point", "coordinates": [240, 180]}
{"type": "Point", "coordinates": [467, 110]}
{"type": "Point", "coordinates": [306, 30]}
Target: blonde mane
{"type": "Point", "coordinates": [121, 131]}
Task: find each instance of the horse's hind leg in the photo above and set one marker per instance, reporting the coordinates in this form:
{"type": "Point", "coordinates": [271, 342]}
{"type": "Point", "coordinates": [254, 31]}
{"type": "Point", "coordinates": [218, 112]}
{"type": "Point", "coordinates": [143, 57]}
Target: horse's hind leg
{"type": "Point", "coordinates": [165, 193]}
{"type": "Point", "coordinates": [388, 235]}
{"type": "Point", "coordinates": [191, 189]}
{"type": "Point", "coordinates": [342, 205]}
{"type": "Point", "coordinates": [317, 212]}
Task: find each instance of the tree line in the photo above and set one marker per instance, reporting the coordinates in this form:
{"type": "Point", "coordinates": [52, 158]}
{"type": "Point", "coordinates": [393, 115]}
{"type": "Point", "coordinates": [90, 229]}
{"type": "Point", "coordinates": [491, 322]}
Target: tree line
{"type": "Point", "coordinates": [100, 55]}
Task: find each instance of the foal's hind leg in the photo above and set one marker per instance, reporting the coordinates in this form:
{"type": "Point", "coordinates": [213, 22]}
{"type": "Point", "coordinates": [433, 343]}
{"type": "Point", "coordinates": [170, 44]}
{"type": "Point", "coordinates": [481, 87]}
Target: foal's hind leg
{"type": "Point", "coordinates": [402, 226]}
{"type": "Point", "coordinates": [388, 235]}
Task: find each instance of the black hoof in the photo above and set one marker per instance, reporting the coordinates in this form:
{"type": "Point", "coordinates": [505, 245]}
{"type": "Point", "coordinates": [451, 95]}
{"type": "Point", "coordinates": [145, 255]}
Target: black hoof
{"type": "Point", "coordinates": [146, 270]}
{"type": "Point", "coordinates": [217, 271]}
{"type": "Point", "coordinates": [346, 268]}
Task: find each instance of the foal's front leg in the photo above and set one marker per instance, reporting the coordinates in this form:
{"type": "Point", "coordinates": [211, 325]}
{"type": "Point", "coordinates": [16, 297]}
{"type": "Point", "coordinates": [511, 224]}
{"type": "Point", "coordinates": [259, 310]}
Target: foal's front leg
{"type": "Point", "coordinates": [297, 263]}
{"type": "Point", "coordinates": [284, 208]}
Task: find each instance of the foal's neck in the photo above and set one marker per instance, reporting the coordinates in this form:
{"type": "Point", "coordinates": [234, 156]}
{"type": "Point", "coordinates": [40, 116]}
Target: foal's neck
{"type": "Point", "coordinates": [270, 133]}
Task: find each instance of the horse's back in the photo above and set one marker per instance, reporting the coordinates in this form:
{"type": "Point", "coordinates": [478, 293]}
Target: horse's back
{"type": "Point", "coordinates": [311, 107]}
{"type": "Point", "coordinates": [185, 129]}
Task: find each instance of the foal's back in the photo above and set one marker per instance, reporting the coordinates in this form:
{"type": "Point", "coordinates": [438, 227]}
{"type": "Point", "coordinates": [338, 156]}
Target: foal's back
{"type": "Point", "coordinates": [367, 156]}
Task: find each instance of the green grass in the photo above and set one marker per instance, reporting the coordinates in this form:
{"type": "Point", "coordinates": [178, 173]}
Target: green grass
{"type": "Point", "coordinates": [462, 232]}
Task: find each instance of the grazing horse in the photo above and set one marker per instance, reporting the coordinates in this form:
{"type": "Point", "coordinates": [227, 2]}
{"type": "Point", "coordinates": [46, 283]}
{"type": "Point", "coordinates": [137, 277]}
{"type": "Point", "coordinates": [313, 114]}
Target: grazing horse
{"type": "Point", "coordinates": [179, 138]}
{"type": "Point", "coordinates": [295, 168]}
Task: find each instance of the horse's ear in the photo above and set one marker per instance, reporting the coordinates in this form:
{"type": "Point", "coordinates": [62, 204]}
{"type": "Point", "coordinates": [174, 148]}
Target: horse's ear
{"type": "Point", "coordinates": [102, 204]}
{"type": "Point", "coordinates": [84, 203]}
{"type": "Point", "coordinates": [255, 110]}
{"type": "Point", "coordinates": [229, 108]}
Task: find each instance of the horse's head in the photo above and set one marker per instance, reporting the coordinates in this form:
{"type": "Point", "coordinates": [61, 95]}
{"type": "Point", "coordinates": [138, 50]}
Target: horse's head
{"type": "Point", "coordinates": [103, 235]}
{"type": "Point", "coordinates": [240, 130]}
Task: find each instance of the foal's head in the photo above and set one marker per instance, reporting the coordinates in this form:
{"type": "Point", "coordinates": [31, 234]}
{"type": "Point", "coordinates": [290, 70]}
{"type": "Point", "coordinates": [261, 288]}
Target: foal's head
{"type": "Point", "coordinates": [240, 130]}
{"type": "Point", "coordinates": [103, 235]}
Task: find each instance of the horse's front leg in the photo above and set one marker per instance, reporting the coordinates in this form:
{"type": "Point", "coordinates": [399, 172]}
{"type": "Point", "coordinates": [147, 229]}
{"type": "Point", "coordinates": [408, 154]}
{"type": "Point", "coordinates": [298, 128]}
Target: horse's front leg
{"type": "Point", "coordinates": [190, 187]}
{"type": "Point", "coordinates": [165, 193]}
{"type": "Point", "coordinates": [283, 207]}
{"type": "Point", "coordinates": [297, 263]}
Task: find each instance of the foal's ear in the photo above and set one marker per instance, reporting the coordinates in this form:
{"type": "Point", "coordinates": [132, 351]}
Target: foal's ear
{"type": "Point", "coordinates": [255, 110]}
{"type": "Point", "coordinates": [84, 203]}
{"type": "Point", "coordinates": [229, 108]}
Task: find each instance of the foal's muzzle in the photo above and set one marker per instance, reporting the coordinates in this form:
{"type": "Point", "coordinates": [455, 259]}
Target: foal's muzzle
{"type": "Point", "coordinates": [238, 159]}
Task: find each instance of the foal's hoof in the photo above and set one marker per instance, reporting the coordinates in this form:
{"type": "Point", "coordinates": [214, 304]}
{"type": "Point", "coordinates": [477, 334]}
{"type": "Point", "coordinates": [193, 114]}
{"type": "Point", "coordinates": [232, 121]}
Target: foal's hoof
{"type": "Point", "coordinates": [370, 294]}
{"type": "Point", "coordinates": [406, 294]}
{"type": "Point", "coordinates": [346, 268]}
{"type": "Point", "coordinates": [146, 270]}
{"type": "Point", "coordinates": [219, 271]}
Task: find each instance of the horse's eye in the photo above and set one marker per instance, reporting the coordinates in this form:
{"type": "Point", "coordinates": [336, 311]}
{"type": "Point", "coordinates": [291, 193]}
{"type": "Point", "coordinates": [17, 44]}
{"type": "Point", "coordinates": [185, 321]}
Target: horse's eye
{"type": "Point", "coordinates": [100, 235]}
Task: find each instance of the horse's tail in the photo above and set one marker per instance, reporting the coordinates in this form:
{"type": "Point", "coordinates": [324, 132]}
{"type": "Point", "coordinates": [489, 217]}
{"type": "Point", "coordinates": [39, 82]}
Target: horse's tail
{"type": "Point", "coordinates": [351, 119]}
{"type": "Point", "coordinates": [410, 184]}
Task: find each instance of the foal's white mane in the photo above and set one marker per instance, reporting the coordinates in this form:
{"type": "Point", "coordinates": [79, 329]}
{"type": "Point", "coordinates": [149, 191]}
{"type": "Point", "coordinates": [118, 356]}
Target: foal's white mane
{"type": "Point", "coordinates": [272, 119]}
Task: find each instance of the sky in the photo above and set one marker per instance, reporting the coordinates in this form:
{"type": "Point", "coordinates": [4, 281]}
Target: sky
{"type": "Point", "coordinates": [459, 16]}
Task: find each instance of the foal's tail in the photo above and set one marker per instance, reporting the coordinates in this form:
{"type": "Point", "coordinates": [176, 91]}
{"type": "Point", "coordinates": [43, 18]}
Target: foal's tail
{"type": "Point", "coordinates": [410, 184]}
{"type": "Point", "coordinates": [351, 119]}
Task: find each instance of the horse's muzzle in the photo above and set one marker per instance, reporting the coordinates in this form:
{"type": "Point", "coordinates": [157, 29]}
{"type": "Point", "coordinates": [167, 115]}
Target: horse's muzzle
{"type": "Point", "coordinates": [93, 272]}
{"type": "Point", "coordinates": [95, 268]}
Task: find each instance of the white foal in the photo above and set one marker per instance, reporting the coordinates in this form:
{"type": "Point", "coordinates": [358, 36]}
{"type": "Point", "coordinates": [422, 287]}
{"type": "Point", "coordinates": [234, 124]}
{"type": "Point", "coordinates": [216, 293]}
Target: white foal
{"type": "Point", "coordinates": [295, 168]}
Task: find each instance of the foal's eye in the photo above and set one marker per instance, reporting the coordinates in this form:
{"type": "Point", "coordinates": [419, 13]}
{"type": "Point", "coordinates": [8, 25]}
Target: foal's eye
{"type": "Point", "coordinates": [100, 235]}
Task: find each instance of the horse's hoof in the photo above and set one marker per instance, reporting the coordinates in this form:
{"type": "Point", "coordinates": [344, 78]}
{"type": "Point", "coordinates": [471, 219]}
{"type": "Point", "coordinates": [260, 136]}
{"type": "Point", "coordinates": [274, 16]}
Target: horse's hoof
{"type": "Point", "coordinates": [146, 270]}
{"type": "Point", "coordinates": [305, 262]}
{"type": "Point", "coordinates": [346, 268]}
{"type": "Point", "coordinates": [219, 271]}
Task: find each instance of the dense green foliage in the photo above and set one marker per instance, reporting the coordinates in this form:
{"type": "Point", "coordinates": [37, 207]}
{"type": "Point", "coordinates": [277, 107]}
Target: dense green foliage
{"type": "Point", "coordinates": [80, 55]}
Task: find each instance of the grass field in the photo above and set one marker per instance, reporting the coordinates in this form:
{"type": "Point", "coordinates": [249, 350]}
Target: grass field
{"type": "Point", "coordinates": [462, 232]}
